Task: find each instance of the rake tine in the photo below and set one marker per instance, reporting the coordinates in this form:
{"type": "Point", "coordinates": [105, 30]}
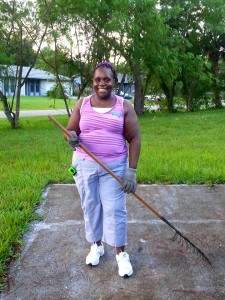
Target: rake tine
{"type": "Point", "coordinates": [192, 245]}
{"type": "Point", "coordinates": [188, 247]}
{"type": "Point", "coordinates": [120, 181]}
{"type": "Point", "coordinates": [180, 239]}
{"type": "Point", "coordinates": [182, 242]}
{"type": "Point", "coordinates": [174, 237]}
{"type": "Point", "coordinates": [193, 248]}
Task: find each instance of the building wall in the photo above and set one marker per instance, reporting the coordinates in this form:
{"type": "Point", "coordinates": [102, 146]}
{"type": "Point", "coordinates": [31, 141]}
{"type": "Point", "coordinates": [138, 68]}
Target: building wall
{"type": "Point", "coordinates": [1, 86]}
{"type": "Point", "coordinates": [45, 86]}
{"type": "Point", "coordinates": [68, 88]}
{"type": "Point", "coordinates": [10, 88]}
{"type": "Point", "coordinates": [23, 90]}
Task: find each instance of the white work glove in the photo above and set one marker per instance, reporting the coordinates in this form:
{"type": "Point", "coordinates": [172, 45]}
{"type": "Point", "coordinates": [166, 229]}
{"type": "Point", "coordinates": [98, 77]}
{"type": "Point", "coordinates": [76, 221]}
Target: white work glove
{"type": "Point", "coordinates": [129, 181]}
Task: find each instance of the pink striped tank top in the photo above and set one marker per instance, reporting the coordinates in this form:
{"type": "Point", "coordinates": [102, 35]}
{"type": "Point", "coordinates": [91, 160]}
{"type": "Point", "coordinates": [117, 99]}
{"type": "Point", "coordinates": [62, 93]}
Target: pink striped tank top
{"type": "Point", "coordinates": [102, 133]}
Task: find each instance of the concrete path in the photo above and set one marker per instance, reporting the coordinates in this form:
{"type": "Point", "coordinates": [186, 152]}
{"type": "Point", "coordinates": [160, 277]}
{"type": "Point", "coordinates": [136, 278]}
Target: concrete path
{"type": "Point", "coordinates": [35, 113]}
{"type": "Point", "coordinates": [51, 266]}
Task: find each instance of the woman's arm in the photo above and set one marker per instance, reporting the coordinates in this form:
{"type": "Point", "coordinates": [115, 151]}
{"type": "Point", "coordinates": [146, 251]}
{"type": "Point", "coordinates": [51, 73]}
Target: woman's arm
{"type": "Point", "coordinates": [73, 124]}
{"type": "Point", "coordinates": [132, 134]}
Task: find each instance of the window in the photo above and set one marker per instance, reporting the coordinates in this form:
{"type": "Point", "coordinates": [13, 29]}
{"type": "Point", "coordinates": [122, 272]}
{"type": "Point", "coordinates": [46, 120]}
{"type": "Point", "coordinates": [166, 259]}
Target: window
{"type": "Point", "coordinates": [32, 86]}
{"type": "Point", "coordinates": [6, 86]}
{"type": "Point", "coordinates": [12, 85]}
{"type": "Point", "coordinates": [37, 86]}
{"type": "Point", "coordinates": [26, 88]}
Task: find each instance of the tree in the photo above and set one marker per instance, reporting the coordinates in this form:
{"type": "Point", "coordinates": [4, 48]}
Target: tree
{"type": "Point", "coordinates": [202, 26]}
{"type": "Point", "coordinates": [196, 80]}
{"type": "Point", "coordinates": [15, 18]}
{"type": "Point", "coordinates": [123, 28]}
{"type": "Point", "coordinates": [168, 68]}
{"type": "Point", "coordinates": [83, 48]}
{"type": "Point", "coordinates": [164, 42]}
{"type": "Point", "coordinates": [213, 40]}
{"type": "Point", "coordinates": [134, 30]}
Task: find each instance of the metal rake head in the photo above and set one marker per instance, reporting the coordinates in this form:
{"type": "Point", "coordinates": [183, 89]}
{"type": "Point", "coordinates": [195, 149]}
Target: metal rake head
{"type": "Point", "coordinates": [185, 242]}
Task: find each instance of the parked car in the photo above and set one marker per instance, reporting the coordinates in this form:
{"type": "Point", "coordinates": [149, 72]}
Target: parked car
{"type": "Point", "coordinates": [154, 98]}
{"type": "Point", "coordinates": [149, 98]}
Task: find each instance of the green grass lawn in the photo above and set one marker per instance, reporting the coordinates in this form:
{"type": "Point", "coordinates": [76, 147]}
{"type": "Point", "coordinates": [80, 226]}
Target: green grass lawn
{"type": "Point", "coordinates": [176, 148]}
{"type": "Point", "coordinates": [183, 148]}
{"type": "Point", "coordinates": [28, 103]}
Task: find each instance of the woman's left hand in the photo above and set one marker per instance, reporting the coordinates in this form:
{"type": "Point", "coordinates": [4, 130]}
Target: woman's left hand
{"type": "Point", "coordinates": [130, 181]}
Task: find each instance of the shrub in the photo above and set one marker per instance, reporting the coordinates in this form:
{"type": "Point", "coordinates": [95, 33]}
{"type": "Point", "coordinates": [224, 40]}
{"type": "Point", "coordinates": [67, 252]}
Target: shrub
{"type": "Point", "coordinates": [56, 92]}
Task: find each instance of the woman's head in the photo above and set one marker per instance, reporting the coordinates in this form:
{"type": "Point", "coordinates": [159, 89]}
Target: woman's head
{"type": "Point", "coordinates": [104, 79]}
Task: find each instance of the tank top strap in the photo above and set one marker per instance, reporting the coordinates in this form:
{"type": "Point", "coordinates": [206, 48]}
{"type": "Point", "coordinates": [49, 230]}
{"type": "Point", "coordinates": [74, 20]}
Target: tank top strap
{"type": "Point", "coordinates": [85, 103]}
{"type": "Point", "coordinates": [119, 103]}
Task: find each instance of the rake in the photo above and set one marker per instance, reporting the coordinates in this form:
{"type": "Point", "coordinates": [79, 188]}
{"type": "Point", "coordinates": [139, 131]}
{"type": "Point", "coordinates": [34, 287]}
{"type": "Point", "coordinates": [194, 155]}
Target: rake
{"type": "Point", "coordinates": [178, 236]}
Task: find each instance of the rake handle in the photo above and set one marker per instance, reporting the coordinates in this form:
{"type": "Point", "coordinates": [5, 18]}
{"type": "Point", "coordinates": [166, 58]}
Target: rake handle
{"type": "Point", "coordinates": [68, 134]}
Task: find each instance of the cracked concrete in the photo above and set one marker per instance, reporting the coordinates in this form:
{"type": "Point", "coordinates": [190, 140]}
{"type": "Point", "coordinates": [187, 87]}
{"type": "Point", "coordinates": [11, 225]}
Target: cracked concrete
{"type": "Point", "coordinates": [51, 264]}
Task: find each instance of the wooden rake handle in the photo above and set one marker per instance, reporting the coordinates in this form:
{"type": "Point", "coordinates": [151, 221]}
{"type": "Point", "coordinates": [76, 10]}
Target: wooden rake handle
{"type": "Point", "coordinates": [68, 134]}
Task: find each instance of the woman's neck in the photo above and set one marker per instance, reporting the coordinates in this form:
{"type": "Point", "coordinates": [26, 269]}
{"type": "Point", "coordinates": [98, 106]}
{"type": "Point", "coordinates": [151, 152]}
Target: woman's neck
{"type": "Point", "coordinates": [98, 102]}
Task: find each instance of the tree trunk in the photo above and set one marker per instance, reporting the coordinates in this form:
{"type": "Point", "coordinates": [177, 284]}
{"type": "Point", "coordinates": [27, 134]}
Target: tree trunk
{"type": "Point", "coordinates": [138, 92]}
{"type": "Point", "coordinates": [63, 93]}
{"type": "Point", "coordinates": [8, 112]}
{"type": "Point", "coordinates": [170, 106]}
{"type": "Point", "coordinates": [189, 98]}
{"type": "Point", "coordinates": [189, 103]}
{"type": "Point", "coordinates": [56, 65]}
{"type": "Point", "coordinates": [120, 85]}
{"type": "Point", "coordinates": [17, 96]}
{"type": "Point", "coordinates": [147, 80]}
{"type": "Point", "coordinates": [169, 92]}
{"type": "Point", "coordinates": [81, 90]}
{"type": "Point", "coordinates": [187, 93]}
{"type": "Point", "coordinates": [214, 57]}
{"type": "Point", "coordinates": [217, 100]}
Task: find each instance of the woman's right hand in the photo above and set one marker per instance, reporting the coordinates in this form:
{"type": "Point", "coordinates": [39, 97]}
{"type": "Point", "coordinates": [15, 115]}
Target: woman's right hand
{"type": "Point", "coordinates": [73, 140]}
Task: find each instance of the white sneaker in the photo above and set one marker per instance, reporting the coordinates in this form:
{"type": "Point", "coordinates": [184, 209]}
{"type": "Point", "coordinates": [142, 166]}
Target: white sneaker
{"type": "Point", "coordinates": [124, 265]}
{"type": "Point", "coordinates": [93, 256]}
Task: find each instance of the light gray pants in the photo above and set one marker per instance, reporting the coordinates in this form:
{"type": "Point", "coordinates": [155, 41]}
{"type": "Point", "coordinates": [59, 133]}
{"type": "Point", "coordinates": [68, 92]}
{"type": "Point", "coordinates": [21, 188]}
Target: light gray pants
{"type": "Point", "coordinates": [103, 201]}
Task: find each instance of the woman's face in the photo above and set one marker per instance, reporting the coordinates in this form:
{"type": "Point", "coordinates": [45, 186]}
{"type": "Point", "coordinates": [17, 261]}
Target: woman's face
{"type": "Point", "coordinates": [103, 82]}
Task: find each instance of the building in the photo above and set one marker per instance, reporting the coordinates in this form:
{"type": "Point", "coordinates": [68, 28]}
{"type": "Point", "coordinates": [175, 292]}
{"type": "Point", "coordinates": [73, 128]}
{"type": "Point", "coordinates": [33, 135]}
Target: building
{"type": "Point", "coordinates": [38, 82]}
{"type": "Point", "coordinates": [125, 84]}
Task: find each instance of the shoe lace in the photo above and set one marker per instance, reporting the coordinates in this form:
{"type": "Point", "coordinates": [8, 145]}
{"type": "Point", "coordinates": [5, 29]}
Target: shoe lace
{"type": "Point", "coordinates": [124, 257]}
{"type": "Point", "coordinates": [95, 248]}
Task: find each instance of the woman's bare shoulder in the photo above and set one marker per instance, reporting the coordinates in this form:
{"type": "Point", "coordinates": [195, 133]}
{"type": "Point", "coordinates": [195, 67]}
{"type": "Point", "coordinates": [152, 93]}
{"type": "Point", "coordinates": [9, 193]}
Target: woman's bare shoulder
{"type": "Point", "coordinates": [79, 103]}
{"type": "Point", "coordinates": [128, 107]}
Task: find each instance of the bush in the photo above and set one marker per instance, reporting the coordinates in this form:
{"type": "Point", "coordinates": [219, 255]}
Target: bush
{"type": "Point", "coordinates": [56, 92]}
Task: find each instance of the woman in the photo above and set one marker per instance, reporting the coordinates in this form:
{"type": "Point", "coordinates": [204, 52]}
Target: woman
{"type": "Point", "coordinates": [104, 122]}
